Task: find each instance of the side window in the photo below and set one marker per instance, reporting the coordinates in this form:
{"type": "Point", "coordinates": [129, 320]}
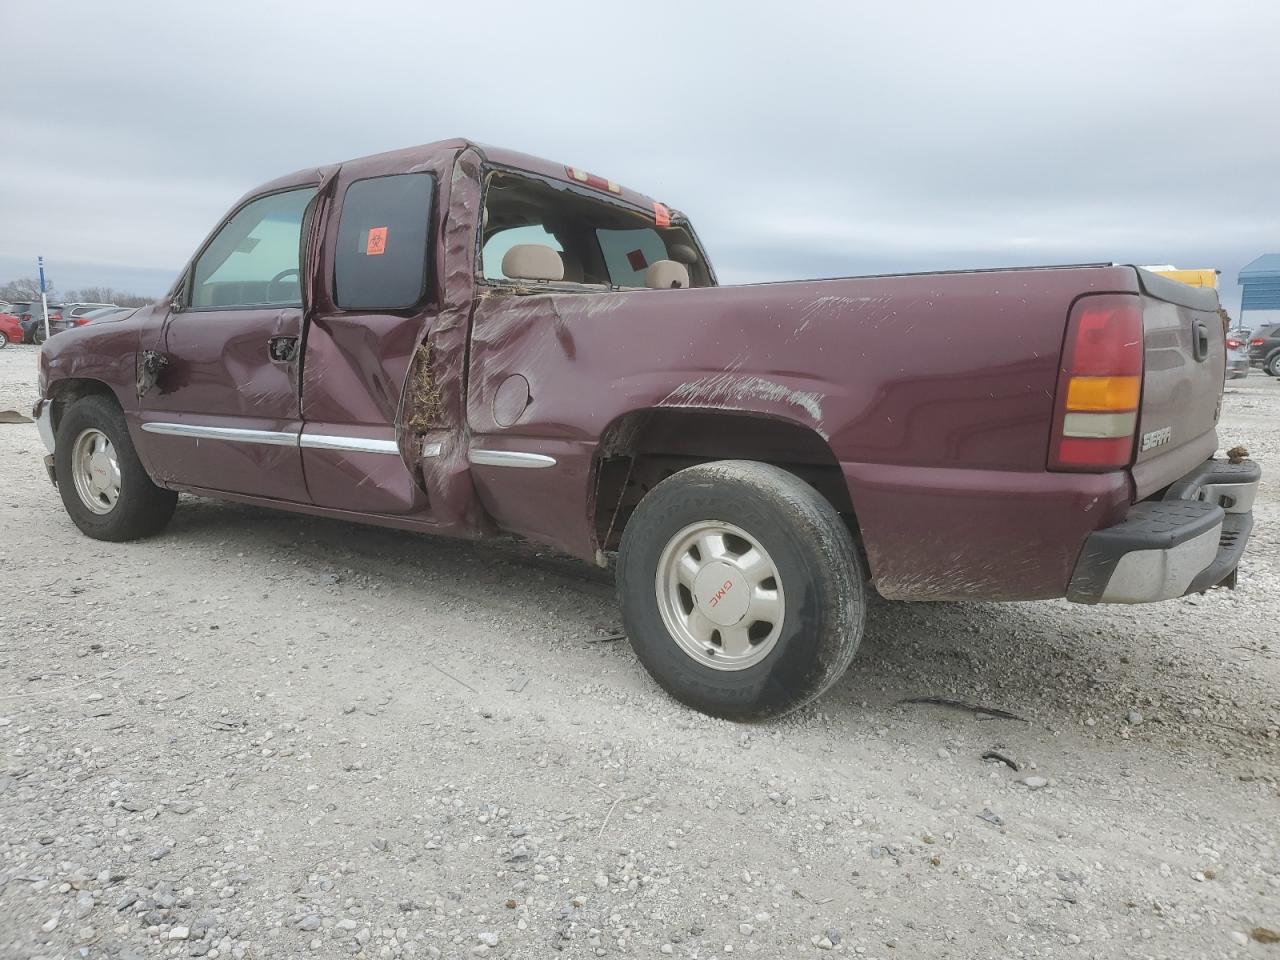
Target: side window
{"type": "Point", "coordinates": [255, 259]}
{"type": "Point", "coordinates": [628, 253]}
{"type": "Point", "coordinates": [496, 247]}
{"type": "Point", "coordinates": [383, 230]}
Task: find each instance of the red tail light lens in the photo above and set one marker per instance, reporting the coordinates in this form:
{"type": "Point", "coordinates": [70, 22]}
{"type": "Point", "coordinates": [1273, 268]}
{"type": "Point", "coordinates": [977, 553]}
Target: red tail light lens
{"type": "Point", "coordinates": [1099, 385]}
{"type": "Point", "coordinates": [1257, 342]}
{"type": "Point", "coordinates": [1234, 344]}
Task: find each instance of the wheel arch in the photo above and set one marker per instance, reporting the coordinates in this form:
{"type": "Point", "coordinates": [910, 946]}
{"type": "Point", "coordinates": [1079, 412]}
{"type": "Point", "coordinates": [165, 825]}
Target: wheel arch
{"type": "Point", "coordinates": [642, 447]}
{"type": "Point", "coordinates": [63, 393]}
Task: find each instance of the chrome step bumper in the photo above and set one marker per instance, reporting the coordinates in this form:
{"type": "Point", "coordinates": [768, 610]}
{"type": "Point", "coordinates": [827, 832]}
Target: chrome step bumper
{"type": "Point", "coordinates": [1189, 541]}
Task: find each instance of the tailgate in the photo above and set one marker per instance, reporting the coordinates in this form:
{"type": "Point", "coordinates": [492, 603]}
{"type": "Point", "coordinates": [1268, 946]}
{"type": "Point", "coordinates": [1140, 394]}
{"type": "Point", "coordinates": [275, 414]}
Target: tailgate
{"type": "Point", "coordinates": [1184, 367]}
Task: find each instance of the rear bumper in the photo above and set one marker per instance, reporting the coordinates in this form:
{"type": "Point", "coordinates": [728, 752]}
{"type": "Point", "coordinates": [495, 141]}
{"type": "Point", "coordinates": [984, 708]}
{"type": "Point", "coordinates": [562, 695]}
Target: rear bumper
{"type": "Point", "coordinates": [1187, 542]}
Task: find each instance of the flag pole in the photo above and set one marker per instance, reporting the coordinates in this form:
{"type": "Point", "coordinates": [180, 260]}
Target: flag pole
{"type": "Point", "coordinates": [44, 300]}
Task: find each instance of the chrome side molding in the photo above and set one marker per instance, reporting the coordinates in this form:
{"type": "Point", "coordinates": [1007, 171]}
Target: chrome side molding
{"type": "Point", "coordinates": [317, 441]}
{"type": "Point", "coordinates": [510, 458]}
{"type": "Point", "coordinates": [279, 438]}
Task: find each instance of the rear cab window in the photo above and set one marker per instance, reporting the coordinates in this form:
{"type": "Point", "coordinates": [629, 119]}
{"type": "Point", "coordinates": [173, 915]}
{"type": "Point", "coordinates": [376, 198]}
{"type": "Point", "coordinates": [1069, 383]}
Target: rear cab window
{"type": "Point", "coordinates": [628, 253]}
{"type": "Point", "coordinates": [601, 242]}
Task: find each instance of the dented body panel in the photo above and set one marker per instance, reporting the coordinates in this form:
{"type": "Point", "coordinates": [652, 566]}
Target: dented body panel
{"type": "Point", "coordinates": [545, 410]}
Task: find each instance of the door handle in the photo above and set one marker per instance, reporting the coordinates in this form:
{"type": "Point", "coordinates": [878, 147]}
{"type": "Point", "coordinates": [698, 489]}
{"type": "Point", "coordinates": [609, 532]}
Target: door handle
{"type": "Point", "coordinates": [1199, 340]}
{"type": "Point", "coordinates": [282, 349]}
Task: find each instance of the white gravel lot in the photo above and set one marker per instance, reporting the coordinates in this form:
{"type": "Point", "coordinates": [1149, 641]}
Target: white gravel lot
{"type": "Point", "coordinates": [263, 735]}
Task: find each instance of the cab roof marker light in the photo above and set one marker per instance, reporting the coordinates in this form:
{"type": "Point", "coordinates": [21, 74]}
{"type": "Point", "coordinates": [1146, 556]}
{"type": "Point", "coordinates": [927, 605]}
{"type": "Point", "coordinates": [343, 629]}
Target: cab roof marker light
{"type": "Point", "coordinates": [591, 180]}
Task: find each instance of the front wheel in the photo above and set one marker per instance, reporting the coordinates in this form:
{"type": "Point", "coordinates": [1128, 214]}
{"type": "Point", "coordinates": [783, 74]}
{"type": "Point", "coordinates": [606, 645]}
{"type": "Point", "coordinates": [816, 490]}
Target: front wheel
{"type": "Point", "coordinates": [4, 340]}
{"type": "Point", "coordinates": [104, 487]}
{"type": "Point", "coordinates": [741, 589]}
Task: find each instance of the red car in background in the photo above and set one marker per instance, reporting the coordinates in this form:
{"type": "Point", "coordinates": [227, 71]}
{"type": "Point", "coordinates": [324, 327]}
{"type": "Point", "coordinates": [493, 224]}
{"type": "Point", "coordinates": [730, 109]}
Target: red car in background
{"type": "Point", "coordinates": [10, 330]}
{"type": "Point", "coordinates": [30, 315]}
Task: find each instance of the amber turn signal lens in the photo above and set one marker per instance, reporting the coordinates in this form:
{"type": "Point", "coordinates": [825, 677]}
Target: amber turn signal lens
{"type": "Point", "coordinates": [1103, 393]}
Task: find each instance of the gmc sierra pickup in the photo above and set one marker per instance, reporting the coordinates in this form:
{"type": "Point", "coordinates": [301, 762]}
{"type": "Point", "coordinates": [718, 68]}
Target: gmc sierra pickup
{"type": "Point", "coordinates": [464, 340]}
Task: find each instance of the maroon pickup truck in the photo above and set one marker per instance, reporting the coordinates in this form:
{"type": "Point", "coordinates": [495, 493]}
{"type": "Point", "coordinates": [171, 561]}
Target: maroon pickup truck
{"type": "Point", "coordinates": [464, 340]}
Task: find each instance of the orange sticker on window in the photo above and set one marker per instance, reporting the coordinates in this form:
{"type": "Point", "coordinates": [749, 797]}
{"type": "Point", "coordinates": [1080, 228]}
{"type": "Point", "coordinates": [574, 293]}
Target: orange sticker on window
{"type": "Point", "coordinates": [661, 215]}
{"type": "Point", "coordinates": [376, 245]}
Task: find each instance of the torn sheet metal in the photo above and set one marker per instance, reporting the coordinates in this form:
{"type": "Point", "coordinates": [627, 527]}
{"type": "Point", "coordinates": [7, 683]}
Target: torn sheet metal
{"type": "Point", "coordinates": [151, 364]}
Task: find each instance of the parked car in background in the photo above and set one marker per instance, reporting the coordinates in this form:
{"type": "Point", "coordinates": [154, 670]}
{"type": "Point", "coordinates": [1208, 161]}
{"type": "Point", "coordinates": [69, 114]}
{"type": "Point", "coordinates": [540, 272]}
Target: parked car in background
{"type": "Point", "coordinates": [78, 314]}
{"type": "Point", "coordinates": [20, 309]}
{"type": "Point", "coordinates": [105, 313]}
{"type": "Point", "coordinates": [1237, 358]}
{"type": "Point", "coordinates": [72, 312]}
{"type": "Point", "coordinates": [10, 330]}
{"type": "Point", "coordinates": [30, 315]}
{"type": "Point", "coordinates": [1264, 349]}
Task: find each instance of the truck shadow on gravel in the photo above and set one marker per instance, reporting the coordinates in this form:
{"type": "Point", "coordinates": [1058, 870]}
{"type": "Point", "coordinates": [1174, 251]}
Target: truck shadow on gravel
{"type": "Point", "coordinates": [1056, 665]}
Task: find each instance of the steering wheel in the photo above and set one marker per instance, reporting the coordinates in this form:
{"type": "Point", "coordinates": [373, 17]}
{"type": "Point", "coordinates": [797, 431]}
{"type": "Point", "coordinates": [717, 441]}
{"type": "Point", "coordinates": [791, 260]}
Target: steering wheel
{"type": "Point", "coordinates": [292, 271]}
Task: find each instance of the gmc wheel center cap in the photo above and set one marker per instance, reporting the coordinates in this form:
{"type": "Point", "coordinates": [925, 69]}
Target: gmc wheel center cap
{"type": "Point", "coordinates": [721, 593]}
{"type": "Point", "coordinates": [100, 470]}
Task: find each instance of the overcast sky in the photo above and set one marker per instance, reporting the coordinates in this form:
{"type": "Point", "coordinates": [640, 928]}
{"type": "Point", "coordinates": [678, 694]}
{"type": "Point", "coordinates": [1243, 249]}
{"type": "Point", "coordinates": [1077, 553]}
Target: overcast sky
{"type": "Point", "coordinates": [806, 139]}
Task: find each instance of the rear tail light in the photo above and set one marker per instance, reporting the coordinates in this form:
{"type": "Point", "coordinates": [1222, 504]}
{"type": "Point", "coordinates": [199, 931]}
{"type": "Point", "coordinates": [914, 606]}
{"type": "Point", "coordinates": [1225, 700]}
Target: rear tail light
{"type": "Point", "coordinates": [1257, 342]}
{"type": "Point", "coordinates": [1234, 344]}
{"type": "Point", "coordinates": [1099, 385]}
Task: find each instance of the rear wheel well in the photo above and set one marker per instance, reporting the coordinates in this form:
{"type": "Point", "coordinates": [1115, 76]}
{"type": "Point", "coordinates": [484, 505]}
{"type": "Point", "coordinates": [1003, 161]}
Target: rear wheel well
{"type": "Point", "coordinates": [641, 449]}
{"type": "Point", "coordinates": [66, 392]}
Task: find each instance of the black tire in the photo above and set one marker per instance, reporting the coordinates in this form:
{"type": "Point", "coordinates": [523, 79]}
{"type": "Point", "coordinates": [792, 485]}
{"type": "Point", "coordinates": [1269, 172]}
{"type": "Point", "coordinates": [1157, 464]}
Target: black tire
{"type": "Point", "coordinates": [38, 336]}
{"type": "Point", "coordinates": [1273, 364]}
{"type": "Point", "coordinates": [4, 340]}
{"type": "Point", "coordinates": [142, 508]}
{"type": "Point", "coordinates": [818, 568]}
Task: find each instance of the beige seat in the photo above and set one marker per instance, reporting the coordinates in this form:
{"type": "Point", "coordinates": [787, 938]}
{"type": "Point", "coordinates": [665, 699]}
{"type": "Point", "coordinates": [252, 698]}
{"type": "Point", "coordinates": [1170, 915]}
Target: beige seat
{"type": "Point", "coordinates": [666, 275]}
{"type": "Point", "coordinates": [532, 261]}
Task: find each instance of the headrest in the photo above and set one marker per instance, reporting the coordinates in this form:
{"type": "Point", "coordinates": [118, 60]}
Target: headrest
{"type": "Point", "coordinates": [683, 253]}
{"type": "Point", "coordinates": [666, 275]}
{"type": "Point", "coordinates": [532, 261]}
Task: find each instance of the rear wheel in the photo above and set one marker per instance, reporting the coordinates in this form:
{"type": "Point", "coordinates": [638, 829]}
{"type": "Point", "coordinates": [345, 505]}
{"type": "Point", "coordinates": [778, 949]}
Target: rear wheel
{"type": "Point", "coordinates": [1273, 364]}
{"type": "Point", "coordinates": [104, 487]}
{"type": "Point", "coordinates": [4, 340]}
{"type": "Point", "coordinates": [741, 589]}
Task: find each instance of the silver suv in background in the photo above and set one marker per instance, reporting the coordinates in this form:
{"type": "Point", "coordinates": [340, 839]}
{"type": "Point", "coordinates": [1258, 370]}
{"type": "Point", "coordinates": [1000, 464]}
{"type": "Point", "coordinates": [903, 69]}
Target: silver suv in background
{"type": "Point", "coordinates": [77, 315]}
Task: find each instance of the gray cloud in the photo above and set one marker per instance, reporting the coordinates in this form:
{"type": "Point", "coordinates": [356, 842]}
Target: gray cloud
{"type": "Point", "coordinates": [804, 139]}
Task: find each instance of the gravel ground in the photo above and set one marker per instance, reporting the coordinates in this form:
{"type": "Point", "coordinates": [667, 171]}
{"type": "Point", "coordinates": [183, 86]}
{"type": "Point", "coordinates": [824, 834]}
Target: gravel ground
{"type": "Point", "coordinates": [261, 735]}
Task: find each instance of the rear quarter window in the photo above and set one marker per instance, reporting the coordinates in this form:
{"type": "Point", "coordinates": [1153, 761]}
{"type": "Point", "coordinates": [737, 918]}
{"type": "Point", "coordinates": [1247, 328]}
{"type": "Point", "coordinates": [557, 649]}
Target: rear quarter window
{"type": "Point", "coordinates": [381, 258]}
